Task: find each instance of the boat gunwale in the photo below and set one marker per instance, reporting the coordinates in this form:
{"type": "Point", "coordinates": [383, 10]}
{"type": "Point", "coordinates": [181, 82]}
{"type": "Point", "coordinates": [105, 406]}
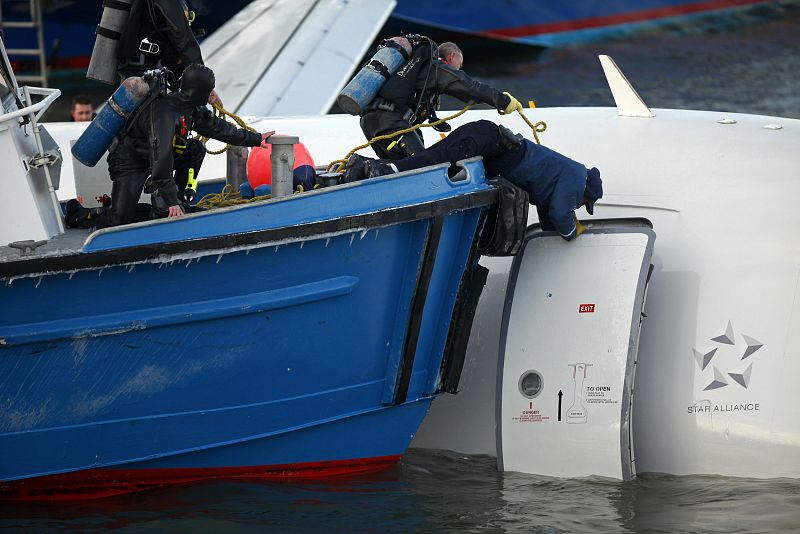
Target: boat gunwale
{"type": "Point", "coordinates": [76, 260]}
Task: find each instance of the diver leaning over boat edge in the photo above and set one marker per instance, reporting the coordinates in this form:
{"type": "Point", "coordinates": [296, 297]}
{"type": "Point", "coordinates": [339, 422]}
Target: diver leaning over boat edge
{"type": "Point", "coordinates": [556, 184]}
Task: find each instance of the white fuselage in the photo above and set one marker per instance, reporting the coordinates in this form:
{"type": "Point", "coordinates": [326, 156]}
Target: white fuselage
{"type": "Point", "coordinates": [720, 198]}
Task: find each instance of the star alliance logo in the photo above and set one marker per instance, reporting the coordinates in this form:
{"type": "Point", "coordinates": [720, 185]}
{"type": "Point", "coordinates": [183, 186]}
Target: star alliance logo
{"type": "Point", "coordinates": [740, 373]}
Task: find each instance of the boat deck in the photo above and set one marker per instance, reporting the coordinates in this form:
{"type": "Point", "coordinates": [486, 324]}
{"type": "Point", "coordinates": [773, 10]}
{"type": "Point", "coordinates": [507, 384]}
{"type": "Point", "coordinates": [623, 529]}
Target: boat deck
{"type": "Point", "coordinates": [69, 242]}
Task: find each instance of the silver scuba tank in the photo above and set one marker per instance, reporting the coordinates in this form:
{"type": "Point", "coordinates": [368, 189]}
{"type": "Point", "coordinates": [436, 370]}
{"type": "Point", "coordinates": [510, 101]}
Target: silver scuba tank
{"type": "Point", "coordinates": [103, 65]}
{"type": "Point", "coordinates": [366, 84]}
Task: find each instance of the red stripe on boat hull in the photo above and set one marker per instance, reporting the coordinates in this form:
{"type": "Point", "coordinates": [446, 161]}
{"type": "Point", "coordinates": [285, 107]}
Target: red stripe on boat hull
{"type": "Point", "coordinates": [100, 483]}
{"type": "Point", "coordinates": [610, 20]}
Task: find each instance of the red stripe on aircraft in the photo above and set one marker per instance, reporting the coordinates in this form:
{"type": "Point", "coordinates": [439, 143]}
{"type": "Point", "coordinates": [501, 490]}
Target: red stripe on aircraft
{"type": "Point", "coordinates": [610, 20]}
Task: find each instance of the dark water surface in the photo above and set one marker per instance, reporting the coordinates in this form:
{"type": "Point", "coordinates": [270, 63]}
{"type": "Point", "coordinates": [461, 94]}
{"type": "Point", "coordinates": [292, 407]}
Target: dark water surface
{"type": "Point", "coordinates": [751, 66]}
{"type": "Point", "coordinates": [434, 491]}
{"type": "Point", "coordinates": [752, 69]}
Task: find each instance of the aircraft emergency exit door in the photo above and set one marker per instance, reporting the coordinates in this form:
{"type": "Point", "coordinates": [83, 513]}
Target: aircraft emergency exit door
{"type": "Point", "coordinates": [568, 351]}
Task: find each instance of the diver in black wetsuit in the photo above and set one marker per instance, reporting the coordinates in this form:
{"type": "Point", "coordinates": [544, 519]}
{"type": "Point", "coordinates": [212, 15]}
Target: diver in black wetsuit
{"type": "Point", "coordinates": [411, 95]}
{"type": "Point", "coordinates": [155, 143]}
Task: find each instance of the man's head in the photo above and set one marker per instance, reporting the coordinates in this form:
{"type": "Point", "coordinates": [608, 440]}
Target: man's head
{"type": "Point", "coordinates": [451, 54]}
{"type": "Point", "coordinates": [196, 84]}
{"type": "Point", "coordinates": [81, 110]}
{"type": "Point", "coordinates": [594, 189]}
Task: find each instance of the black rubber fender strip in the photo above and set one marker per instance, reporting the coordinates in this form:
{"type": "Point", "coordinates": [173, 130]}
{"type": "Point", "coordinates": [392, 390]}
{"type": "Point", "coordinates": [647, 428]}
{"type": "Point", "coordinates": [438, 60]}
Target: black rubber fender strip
{"type": "Point", "coordinates": [417, 309]}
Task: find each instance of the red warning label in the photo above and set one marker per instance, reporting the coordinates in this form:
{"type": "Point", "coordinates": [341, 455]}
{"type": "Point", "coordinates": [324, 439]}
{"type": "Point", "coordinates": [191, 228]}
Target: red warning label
{"type": "Point", "coordinates": [530, 416]}
{"type": "Point", "coordinates": [586, 308]}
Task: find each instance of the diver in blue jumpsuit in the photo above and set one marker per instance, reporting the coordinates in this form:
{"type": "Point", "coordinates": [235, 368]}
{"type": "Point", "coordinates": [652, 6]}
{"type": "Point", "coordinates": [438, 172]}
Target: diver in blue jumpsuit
{"type": "Point", "coordinates": [556, 184]}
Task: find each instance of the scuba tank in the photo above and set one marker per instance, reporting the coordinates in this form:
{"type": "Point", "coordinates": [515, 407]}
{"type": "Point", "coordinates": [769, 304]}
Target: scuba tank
{"type": "Point", "coordinates": [96, 139]}
{"type": "Point", "coordinates": [365, 85]}
{"type": "Point", "coordinates": [401, 93]}
{"type": "Point", "coordinates": [103, 64]}
{"type": "Point", "coordinates": [120, 41]}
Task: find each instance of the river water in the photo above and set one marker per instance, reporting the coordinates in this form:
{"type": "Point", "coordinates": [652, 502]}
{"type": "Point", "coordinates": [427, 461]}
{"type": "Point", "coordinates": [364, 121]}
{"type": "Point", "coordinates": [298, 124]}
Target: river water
{"type": "Point", "coordinates": [437, 491]}
{"type": "Point", "coordinates": [745, 68]}
{"type": "Point", "coordinates": [748, 69]}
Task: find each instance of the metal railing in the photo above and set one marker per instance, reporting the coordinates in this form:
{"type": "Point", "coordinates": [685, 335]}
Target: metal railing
{"type": "Point", "coordinates": [34, 110]}
{"type": "Point", "coordinates": [34, 113]}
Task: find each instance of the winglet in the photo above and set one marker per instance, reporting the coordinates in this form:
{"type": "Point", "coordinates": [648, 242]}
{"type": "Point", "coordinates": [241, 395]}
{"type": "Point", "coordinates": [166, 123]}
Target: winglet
{"type": "Point", "coordinates": [629, 103]}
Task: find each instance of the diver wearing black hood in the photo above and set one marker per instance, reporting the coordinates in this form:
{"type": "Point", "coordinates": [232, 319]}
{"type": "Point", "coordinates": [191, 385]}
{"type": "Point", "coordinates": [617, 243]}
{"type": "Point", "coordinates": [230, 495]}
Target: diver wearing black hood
{"type": "Point", "coordinates": [156, 143]}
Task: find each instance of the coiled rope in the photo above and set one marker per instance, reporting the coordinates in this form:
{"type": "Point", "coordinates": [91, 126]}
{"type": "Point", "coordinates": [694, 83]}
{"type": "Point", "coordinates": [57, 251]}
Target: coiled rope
{"type": "Point", "coordinates": [227, 197]}
{"type": "Point", "coordinates": [537, 128]}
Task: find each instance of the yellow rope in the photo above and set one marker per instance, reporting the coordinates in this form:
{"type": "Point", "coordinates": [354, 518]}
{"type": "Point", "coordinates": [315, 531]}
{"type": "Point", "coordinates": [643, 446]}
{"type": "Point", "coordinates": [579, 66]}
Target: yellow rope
{"type": "Point", "coordinates": [537, 128]}
{"type": "Point", "coordinates": [342, 162]}
{"type": "Point", "coordinates": [227, 197]}
{"type": "Point", "coordinates": [219, 111]}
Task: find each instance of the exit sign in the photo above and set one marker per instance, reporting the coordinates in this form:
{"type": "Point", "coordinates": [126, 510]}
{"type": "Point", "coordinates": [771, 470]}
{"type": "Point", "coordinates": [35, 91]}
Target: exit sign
{"type": "Point", "coordinates": [586, 308]}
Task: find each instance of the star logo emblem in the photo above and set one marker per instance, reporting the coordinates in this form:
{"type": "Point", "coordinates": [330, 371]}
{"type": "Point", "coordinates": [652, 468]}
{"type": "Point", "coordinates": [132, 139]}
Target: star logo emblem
{"type": "Point", "coordinates": [725, 342]}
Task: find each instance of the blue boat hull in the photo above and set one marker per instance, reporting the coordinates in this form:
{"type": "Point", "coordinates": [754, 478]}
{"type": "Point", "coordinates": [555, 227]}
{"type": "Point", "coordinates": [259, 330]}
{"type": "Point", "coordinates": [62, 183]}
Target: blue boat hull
{"type": "Point", "coordinates": [305, 332]}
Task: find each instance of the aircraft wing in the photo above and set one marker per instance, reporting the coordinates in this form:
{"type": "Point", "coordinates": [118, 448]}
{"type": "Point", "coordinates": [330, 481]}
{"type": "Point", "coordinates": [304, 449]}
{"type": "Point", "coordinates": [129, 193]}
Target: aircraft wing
{"type": "Point", "coordinates": [291, 57]}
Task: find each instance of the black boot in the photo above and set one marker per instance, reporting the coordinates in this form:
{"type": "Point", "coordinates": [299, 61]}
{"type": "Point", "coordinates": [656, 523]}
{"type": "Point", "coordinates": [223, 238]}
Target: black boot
{"type": "Point", "coordinates": [360, 168]}
{"type": "Point", "coordinates": [356, 169]}
{"type": "Point", "coordinates": [377, 167]}
{"type": "Point", "coordinates": [74, 212]}
{"type": "Point", "coordinates": [80, 217]}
